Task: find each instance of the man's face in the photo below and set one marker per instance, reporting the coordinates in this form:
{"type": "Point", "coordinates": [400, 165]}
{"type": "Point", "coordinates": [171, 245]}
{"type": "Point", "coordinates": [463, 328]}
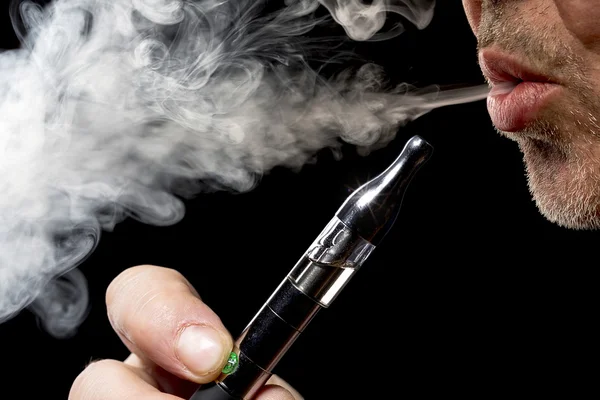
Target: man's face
{"type": "Point", "coordinates": [542, 58]}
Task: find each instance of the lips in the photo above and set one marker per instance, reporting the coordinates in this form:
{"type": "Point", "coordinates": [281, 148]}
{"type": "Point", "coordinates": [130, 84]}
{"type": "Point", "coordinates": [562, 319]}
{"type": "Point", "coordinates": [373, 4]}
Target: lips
{"type": "Point", "coordinates": [519, 93]}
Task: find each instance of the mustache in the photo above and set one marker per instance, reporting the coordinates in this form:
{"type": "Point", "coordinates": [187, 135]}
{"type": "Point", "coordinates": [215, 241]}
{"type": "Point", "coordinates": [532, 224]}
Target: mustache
{"type": "Point", "coordinates": [540, 47]}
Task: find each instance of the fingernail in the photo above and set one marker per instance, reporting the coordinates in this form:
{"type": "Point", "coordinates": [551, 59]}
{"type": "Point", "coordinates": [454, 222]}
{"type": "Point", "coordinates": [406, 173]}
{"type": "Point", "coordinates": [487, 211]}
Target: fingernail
{"type": "Point", "coordinates": [201, 349]}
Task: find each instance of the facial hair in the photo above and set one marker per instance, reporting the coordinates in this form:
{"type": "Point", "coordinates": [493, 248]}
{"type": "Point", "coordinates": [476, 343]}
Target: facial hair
{"type": "Point", "coordinates": [561, 150]}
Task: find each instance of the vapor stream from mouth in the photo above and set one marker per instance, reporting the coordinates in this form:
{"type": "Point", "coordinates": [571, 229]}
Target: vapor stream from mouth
{"type": "Point", "coordinates": [125, 108]}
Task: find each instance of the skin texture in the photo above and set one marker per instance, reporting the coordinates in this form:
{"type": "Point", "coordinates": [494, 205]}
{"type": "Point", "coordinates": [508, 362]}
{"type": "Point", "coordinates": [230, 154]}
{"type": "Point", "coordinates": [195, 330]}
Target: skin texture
{"type": "Point", "coordinates": [149, 307]}
{"type": "Point", "coordinates": [561, 149]}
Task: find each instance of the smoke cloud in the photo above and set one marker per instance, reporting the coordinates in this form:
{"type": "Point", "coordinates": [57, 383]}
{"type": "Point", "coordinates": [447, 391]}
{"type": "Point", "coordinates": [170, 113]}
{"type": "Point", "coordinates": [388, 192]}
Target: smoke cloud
{"type": "Point", "coordinates": [125, 108]}
{"type": "Point", "coordinates": [363, 21]}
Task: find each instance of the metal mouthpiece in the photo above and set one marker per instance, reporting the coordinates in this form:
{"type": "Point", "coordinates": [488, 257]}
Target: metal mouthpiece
{"type": "Point", "coordinates": [359, 225]}
{"type": "Point", "coordinates": [373, 208]}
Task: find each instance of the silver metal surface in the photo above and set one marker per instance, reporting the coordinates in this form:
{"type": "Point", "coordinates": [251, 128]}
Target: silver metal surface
{"type": "Point", "coordinates": [329, 263]}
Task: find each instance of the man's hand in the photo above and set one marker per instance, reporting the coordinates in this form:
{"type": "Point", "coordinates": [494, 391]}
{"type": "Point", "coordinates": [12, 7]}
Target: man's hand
{"type": "Point", "coordinates": [176, 342]}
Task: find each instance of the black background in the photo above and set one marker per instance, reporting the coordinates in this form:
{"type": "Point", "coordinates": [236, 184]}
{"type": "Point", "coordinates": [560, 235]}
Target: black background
{"type": "Point", "coordinates": [473, 294]}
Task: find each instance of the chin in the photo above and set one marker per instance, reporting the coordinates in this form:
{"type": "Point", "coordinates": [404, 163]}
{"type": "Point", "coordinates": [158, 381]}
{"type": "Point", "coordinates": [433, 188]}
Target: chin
{"type": "Point", "coordinates": [568, 217]}
{"type": "Point", "coordinates": [564, 181]}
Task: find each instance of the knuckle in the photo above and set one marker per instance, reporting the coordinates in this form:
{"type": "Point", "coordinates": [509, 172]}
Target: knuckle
{"type": "Point", "coordinates": [124, 290]}
{"type": "Point", "coordinates": [144, 298]}
{"type": "Point", "coordinates": [92, 377]}
{"type": "Point", "coordinates": [131, 278]}
{"type": "Point", "coordinates": [128, 276]}
{"type": "Point", "coordinates": [103, 366]}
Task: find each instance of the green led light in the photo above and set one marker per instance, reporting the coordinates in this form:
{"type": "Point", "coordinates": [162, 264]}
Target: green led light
{"type": "Point", "coordinates": [231, 363]}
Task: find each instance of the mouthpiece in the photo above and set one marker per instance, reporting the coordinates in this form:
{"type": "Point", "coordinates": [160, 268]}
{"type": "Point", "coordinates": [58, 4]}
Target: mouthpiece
{"type": "Point", "coordinates": [320, 274]}
{"type": "Point", "coordinates": [358, 226]}
{"type": "Point", "coordinates": [373, 208]}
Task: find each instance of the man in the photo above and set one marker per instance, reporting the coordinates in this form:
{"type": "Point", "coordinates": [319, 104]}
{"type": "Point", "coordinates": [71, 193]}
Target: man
{"type": "Point", "coordinates": [542, 58]}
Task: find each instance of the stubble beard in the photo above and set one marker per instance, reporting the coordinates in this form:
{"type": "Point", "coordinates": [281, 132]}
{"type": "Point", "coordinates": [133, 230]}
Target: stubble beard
{"type": "Point", "coordinates": [561, 150]}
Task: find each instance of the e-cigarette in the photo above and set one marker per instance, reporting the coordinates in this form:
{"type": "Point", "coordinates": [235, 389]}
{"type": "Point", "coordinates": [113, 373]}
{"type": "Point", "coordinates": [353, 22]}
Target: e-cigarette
{"type": "Point", "coordinates": [357, 228]}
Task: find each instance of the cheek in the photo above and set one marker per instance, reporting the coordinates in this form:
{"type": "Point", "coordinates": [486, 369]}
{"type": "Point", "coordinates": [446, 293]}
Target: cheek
{"type": "Point", "coordinates": [473, 11]}
{"type": "Point", "coordinates": [582, 19]}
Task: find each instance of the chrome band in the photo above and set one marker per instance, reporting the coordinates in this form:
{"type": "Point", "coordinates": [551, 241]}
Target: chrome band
{"type": "Point", "coordinates": [329, 263]}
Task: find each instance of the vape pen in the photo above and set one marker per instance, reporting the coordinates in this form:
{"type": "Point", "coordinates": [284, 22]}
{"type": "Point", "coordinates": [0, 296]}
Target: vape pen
{"type": "Point", "coordinates": [358, 226]}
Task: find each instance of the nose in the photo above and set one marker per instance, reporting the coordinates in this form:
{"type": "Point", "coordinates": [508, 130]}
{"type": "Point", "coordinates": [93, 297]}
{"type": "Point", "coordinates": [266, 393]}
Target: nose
{"type": "Point", "coordinates": [473, 11]}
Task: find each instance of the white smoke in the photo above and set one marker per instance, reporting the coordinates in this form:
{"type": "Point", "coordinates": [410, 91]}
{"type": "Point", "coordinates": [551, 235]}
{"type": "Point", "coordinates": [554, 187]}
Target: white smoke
{"type": "Point", "coordinates": [121, 108]}
{"type": "Point", "coordinates": [363, 20]}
